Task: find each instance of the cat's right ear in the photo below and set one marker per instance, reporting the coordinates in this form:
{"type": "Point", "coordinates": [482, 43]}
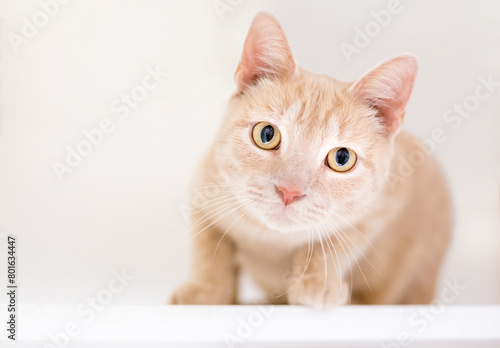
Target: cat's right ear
{"type": "Point", "coordinates": [266, 52]}
{"type": "Point", "coordinates": [388, 87]}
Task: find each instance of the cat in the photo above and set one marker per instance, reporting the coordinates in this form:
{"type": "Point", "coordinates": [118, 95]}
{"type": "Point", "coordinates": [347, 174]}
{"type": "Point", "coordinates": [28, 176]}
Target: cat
{"type": "Point", "coordinates": [303, 188]}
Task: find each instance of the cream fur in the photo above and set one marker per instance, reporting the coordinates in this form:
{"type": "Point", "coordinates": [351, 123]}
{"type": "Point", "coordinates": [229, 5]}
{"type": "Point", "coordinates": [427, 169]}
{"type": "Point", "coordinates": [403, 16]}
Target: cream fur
{"type": "Point", "coordinates": [356, 237]}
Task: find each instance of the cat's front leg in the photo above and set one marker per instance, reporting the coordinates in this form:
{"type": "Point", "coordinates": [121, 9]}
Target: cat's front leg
{"type": "Point", "coordinates": [213, 276]}
{"type": "Point", "coordinates": [317, 278]}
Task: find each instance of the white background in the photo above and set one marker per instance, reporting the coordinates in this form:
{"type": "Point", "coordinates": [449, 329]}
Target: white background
{"type": "Point", "coordinates": [121, 208]}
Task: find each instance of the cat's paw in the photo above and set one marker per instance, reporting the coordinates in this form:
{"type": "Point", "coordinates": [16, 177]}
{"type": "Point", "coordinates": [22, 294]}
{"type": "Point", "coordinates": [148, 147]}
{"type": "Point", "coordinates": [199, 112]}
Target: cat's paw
{"type": "Point", "coordinates": [202, 293]}
{"type": "Point", "coordinates": [313, 292]}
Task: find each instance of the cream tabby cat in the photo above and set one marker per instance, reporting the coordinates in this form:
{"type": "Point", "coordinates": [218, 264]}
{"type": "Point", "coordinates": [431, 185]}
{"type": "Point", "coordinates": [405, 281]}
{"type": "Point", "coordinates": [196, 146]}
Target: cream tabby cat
{"type": "Point", "coordinates": [307, 207]}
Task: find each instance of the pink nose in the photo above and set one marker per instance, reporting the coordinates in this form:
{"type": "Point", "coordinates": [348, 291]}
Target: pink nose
{"type": "Point", "coordinates": [288, 196]}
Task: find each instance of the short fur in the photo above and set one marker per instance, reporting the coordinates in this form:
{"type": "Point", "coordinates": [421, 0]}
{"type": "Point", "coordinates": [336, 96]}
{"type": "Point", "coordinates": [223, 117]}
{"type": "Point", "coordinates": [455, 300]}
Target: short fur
{"type": "Point", "coordinates": [369, 235]}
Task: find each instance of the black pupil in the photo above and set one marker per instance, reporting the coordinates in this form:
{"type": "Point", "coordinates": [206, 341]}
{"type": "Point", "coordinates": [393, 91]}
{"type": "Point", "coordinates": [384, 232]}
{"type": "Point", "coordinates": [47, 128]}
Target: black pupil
{"type": "Point", "coordinates": [342, 156]}
{"type": "Point", "coordinates": [267, 134]}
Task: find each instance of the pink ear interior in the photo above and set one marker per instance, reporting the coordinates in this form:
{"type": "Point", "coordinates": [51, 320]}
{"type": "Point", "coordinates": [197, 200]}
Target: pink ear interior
{"type": "Point", "coordinates": [388, 87]}
{"type": "Point", "coordinates": [265, 52]}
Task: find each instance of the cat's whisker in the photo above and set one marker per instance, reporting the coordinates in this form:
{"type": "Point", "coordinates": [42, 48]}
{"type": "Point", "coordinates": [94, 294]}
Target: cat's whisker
{"type": "Point", "coordinates": [197, 211]}
{"type": "Point", "coordinates": [217, 201]}
{"type": "Point", "coordinates": [340, 232]}
{"type": "Point", "coordinates": [324, 260]}
{"type": "Point", "coordinates": [325, 234]}
{"type": "Point", "coordinates": [331, 256]}
{"type": "Point", "coordinates": [207, 196]}
{"type": "Point", "coordinates": [357, 263]}
{"type": "Point", "coordinates": [212, 213]}
{"type": "Point", "coordinates": [227, 230]}
{"type": "Point", "coordinates": [219, 197]}
{"type": "Point", "coordinates": [215, 212]}
{"type": "Point", "coordinates": [220, 218]}
{"type": "Point", "coordinates": [310, 247]}
{"type": "Point", "coordinates": [361, 234]}
{"type": "Point", "coordinates": [345, 252]}
{"type": "Point", "coordinates": [217, 186]}
{"type": "Point", "coordinates": [350, 269]}
{"type": "Point", "coordinates": [227, 202]}
{"type": "Point", "coordinates": [357, 248]}
{"type": "Point", "coordinates": [347, 257]}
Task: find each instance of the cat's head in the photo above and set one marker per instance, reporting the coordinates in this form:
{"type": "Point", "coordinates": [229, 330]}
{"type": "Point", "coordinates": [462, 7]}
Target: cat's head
{"type": "Point", "coordinates": [310, 150]}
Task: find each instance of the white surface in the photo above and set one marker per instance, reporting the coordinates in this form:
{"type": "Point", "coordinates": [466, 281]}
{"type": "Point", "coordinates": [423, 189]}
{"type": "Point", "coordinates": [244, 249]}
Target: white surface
{"type": "Point", "coordinates": [121, 207]}
{"type": "Point", "coordinates": [269, 326]}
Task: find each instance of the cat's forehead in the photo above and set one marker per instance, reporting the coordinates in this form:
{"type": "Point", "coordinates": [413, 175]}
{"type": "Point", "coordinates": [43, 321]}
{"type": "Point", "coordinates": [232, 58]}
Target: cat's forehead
{"type": "Point", "coordinates": [316, 106]}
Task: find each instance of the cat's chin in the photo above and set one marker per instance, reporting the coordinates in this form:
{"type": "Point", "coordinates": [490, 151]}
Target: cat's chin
{"type": "Point", "coordinates": [284, 228]}
{"type": "Point", "coordinates": [283, 221]}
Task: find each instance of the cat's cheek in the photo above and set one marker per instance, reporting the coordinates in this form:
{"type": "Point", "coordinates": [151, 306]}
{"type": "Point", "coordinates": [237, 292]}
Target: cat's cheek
{"type": "Point", "coordinates": [345, 193]}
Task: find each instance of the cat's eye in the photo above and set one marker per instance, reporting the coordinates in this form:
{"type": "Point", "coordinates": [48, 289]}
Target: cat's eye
{"type": "Point", "coordinates": [341, 159]}
{"type": "Point", "coordinates": [266, 136]}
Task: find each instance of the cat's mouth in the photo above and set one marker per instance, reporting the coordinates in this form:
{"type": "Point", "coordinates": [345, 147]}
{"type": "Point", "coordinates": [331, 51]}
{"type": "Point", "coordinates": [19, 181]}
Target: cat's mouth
{"type": "Point", "coordinates": [284, 209]}
{"type": "Point", "coordinates": [284, 217]}
{"type": "Point", "coordinates": [283, 220]}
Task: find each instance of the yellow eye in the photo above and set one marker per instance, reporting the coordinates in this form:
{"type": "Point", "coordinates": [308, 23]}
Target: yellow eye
{"type": "Point", "coordinates": [266, 136]}
{"type": "Point", "coordinates": [341, 159]}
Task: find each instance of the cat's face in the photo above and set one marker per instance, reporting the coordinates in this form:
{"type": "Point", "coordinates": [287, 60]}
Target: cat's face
{"type": "Point", "coordinates": [311, 151]}
{"type": "Point", "coordinates": [310, 116]}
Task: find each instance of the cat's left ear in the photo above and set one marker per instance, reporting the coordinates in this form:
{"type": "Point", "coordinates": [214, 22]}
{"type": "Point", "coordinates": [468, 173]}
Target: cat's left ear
{"type": "Point", "coordinates": [265, 53]}
{"type": "Point", "coordinates": [388, 87]}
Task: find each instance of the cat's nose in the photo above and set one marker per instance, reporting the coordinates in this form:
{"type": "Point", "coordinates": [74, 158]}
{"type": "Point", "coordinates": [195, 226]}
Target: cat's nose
{"type": "Point", "coordinates": [288, 196]}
